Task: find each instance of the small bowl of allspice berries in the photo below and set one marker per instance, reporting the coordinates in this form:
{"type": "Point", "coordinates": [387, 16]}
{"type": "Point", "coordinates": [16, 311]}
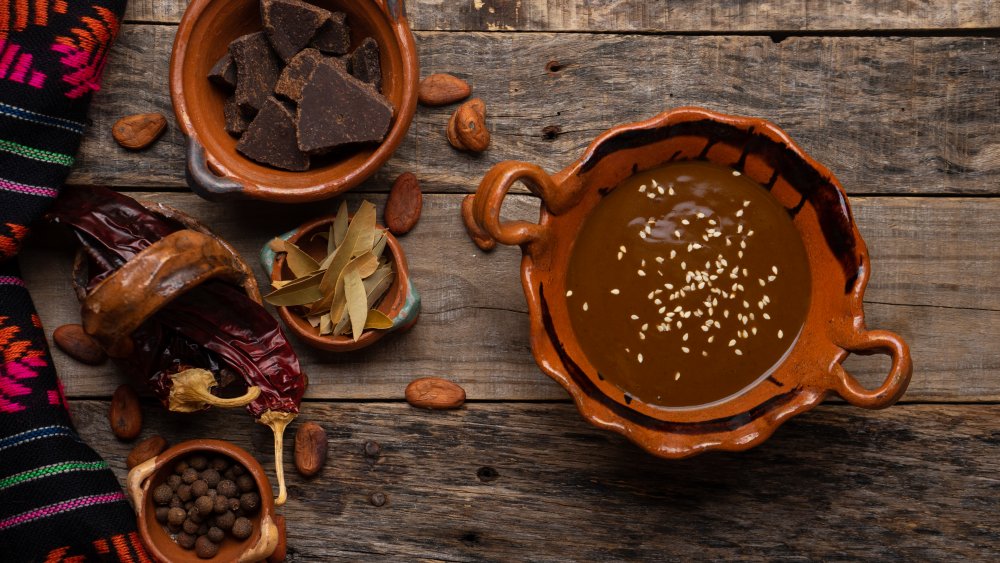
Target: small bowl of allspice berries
{"type": "Point", "coordinates": [204, 500]}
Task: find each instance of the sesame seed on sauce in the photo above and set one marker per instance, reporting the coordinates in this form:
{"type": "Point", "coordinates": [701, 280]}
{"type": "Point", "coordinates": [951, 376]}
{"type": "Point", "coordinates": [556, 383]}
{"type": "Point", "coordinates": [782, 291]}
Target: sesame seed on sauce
{"type": "Point", "coordinates": [614, 292]}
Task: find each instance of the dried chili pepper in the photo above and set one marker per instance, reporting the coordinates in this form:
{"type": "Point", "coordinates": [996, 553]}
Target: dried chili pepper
{"type": "Point", "coordinates": [200, 339]}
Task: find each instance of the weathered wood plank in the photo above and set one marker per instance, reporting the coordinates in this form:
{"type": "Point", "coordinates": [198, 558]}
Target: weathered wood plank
{"type": "Point", "coordinates": [887, 115]}
{"type": "Point", "coordinates": [516, 481]}
{"type": "Point", "coordinates": [935, 280]}
{"type": "Point", "coordinates": [665, 16]}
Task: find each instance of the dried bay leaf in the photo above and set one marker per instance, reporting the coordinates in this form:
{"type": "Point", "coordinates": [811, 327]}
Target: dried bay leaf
{"type": "Point", "coordinates": [377, 319]}
{"type": "Point", "coordinates": [313, 321]}
{"type": "Point", "coordinates": [379, 246]}
{"type": "Point", "coordinates": [325, 326]}
{"type": "Point", "coordinates": [339, 227]}
{"type": "Point", "coordinates": [302, 291]}
{"type": "Point", "coordinates": [300, 263]}
{"type": "Point", "coordinates": [357, 301]}
{"type": "Point", "coordinates": [360, 229]}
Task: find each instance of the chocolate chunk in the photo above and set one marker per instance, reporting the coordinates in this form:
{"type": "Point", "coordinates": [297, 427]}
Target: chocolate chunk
{"type": "Point", "coordinates": [236, 121]}
{"type": "Point", "coordinates": [293, 79]}
{"type": "Point", "coordinates": [291, 24]}
{"type": "Point", "coordinates": [337, 109]}
{"type": "Point", "coordinates": [257, 69]}
{"type": "Point", "coordinates": [334, 38]}
{"type": "Point", "coordinates": [270, 139]}
{"type": "Point", "coordinates": [365, 65]}
{"type": "Point", "coordinates": [223, 74]}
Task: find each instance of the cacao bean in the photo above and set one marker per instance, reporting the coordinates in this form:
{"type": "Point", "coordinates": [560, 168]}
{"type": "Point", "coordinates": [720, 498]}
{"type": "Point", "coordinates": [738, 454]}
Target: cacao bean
{"type": "Point", "coordinates": [402, 209]}
{"type": "Point", "coordinates": [442, 89]}
{"type": "Point", "coordinates": [434, 393]}
{"type": "Point", "coordinates": [146, 450]}
{"type": "Point", "coordinates": [124, 414]}
{"type": "Point", "coordinates": [78, 345]}
{"type": "Point", "coordinates": [310, 448]}
{"type": "Point", "coordinates": [136, 132]}
{"type": "Point", "coordinates": [470, 126]}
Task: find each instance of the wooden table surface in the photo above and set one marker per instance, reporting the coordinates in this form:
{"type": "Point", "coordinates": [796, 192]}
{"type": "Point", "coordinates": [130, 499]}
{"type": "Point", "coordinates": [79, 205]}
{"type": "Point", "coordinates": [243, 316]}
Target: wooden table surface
{"type": "Point", "coordinates": [899, 98]}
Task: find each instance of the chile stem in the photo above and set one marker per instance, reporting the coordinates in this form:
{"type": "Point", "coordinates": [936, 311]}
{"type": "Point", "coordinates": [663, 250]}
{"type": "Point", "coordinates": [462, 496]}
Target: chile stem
{"type": "Point", "coordinates": [278, 421]}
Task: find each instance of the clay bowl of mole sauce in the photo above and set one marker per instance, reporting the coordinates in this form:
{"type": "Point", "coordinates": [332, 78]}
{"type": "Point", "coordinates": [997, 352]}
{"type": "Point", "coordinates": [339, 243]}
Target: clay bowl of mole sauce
{"type": "Point", "coordinates": [145, 477]}
{"type": "Point", "coordinates": [693, 281]}
{"type": "Point", "coordinates": [215, 170]}
{"type": "Point", "coordinates": [401, 301]}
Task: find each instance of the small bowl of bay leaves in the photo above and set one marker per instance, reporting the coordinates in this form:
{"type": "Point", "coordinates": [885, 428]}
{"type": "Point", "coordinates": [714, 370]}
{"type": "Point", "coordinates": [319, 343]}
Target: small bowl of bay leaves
{"type": "Point", "coordinates": [341, 283]}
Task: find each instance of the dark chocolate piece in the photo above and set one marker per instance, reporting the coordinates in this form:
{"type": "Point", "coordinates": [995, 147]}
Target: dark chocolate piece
{"type": "Point", "coordinates": [365, 65]}
{"type": "Point", "coordinates": [270, 139]}
{"type": "Point", "coordinates": [236, 120]}
{"type": "Point", "coordinates": [293, 79]}
{"type": "Point", "coordinates": [291, 24]}
{"type": "Point", "coordinates": [257, 69]}
{"type": "Point", "coordinates": [334, 37]}
{"type": "Point", "coordinates": [223, 74]}
{"type": "Point", "coordinates": [336, 109]}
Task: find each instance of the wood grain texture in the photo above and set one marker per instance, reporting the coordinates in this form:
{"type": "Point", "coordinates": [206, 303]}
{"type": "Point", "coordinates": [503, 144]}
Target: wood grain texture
{"type": "Point", "coordinates": [668, 16]}
{"type": "Point", "coordinates": [474, 326]}
{"type": "Point", "coordinates": [521, 481]}
{"type": "Point", "coordinates": [887, 114]}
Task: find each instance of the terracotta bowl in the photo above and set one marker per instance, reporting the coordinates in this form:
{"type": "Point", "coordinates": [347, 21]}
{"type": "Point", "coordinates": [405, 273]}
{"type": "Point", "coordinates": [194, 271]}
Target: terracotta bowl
{"type": "Point", "coordinates": [837, 257]}
{"type": "Point", "coordinates": [401, 302]}
{"type": "Point", "coordinates": [214, 169]}
{"type": "Point", "coordinates": [145, 477]}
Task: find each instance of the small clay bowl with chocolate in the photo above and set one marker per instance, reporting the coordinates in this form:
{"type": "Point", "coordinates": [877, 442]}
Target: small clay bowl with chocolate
{"type": "Point", "coordinates": [145, 477]}
{"type": "Point", "coordinates": [215, 170]}
{"type": "Point", "coordinates": [804, 193]}
{"type": "Point", "coordinates": [401, 302]}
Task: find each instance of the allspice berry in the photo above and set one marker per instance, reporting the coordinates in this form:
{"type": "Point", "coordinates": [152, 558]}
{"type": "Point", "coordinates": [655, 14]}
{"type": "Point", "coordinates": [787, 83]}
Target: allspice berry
{"type": "Point", "coordinates": [245, 483]}
{"type": "Point", "coordinates": [206, 548]}
{"type": "Point", "coordinates": [190, 475]}
{"type": "Point", "coordinates": [219, 464]}
{"type": "Point", "coordinates": [174, 481]}
{"type": "Point", "coordinates": [198, 462]}
{"type": "Point", "coordinates": [227, 488]}
{"type": "Point", "coordinates": [220, 504]}
{"type": "Point", "coordinates": [205, 505]}
{"type": "Point", "coordinates": [249, 502]}
{"type": "Point", "coordinates": [216, 534]}
{"type": "Point", "coordinates": [176, 516]}
{"type": "Point", "coordinates": [161, 514]}
{"type": "Point", "coordinates": [199, 488]}
{"type": "Point", "coordinates": [184, 491]}
{"type": "Point", "coordinates": [190, 526]}
{"type": "Point", "coordinates": [242, 528]}
{"type": "Point", "coordinates": [211, 476]}
{"type": "Point", "coordinates": [185, 540]}
{"type": "Point", "coordinates": [162, 494]}
{"type": "Point", "coordinates": [225, 520]}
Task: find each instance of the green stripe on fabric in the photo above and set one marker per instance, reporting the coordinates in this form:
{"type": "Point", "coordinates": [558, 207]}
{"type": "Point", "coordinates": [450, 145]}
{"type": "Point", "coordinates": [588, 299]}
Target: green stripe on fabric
{"type": "Point", "coordinates": [49, 470]}
{"type": "Point", "coordinates": [36, 154]}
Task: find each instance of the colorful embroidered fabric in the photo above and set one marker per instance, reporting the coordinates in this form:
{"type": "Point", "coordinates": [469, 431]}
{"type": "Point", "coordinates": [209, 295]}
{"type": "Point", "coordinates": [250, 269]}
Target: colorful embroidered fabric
{"type": "Point", "coordinates": [59, 501]}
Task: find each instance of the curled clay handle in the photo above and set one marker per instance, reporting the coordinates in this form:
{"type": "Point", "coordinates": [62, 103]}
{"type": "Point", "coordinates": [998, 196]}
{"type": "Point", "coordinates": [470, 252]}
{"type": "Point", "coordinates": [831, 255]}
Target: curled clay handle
{"type": "Point", "coordinates": [876, 342]}
{"type": "Point", "coordinates": [266, 543]}
{"type": "Point", "coordinates": [481, 213]}
{"type": "Point", "coordinates": [171, 266]}
{"type": "Point", "coordinates": [202, 180]}
{"type": "Point", "coordinates": [395, 9]}
{"type": "Point", "coordinates": [136, 479]}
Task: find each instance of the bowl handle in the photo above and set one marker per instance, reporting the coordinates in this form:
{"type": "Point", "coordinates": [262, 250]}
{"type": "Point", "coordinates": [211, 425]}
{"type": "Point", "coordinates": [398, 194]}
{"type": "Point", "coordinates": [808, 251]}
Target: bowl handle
{"type": "Point", "coordinates": [481, 211]}
{"type": "Point", "coordinates": [395, 9]}
{"type": "Point", "coordinates": [136, 479]}
{"type": "Point", "coordinates": [202, 180]}
{"type": "Point", "coordinates": [265, 545]}
{"type": "Point", "coordinates": [875, 342]}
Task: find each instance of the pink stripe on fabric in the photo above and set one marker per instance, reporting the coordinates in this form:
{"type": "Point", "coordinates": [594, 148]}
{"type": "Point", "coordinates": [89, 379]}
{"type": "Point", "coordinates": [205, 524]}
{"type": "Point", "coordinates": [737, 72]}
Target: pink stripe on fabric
{"type": "Point", "coordinates": [37, 79]}
{"type": "Point", "coordinates": [26, 189]}
{"type": "Point", "coordinates": [21, 68]}
{"type": "Point", "coordinates": [59, 507]}
{"type": "Point", "coordinates": [11, 280]}
{"type": "Point", "coordinates": [7, 57]}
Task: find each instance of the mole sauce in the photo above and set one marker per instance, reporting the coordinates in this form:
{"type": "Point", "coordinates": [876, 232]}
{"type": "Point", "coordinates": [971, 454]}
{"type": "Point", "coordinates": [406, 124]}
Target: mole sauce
{"type": "Point", "coordinates": [687, 284]}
